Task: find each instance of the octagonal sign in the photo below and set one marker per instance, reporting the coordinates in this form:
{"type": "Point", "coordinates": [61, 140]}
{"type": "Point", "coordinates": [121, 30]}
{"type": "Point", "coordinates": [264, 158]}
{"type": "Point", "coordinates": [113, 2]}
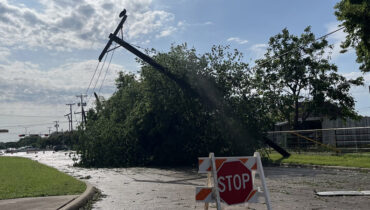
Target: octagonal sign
{"type": "Point", "coordinates": [234, 182]}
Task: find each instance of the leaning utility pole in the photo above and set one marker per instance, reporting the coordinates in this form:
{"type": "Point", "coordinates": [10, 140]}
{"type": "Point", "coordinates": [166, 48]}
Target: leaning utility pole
{"type": "Point", "coordinates": [49, 130]}
{"type": "Point", "coordinates": [82, 104]}
{"type": "Point", "coordinates": [209, 96]}
{"type": "Point", "coordinates": [70, 118]}
{"type": "Point", "coordinates": [138, 53]}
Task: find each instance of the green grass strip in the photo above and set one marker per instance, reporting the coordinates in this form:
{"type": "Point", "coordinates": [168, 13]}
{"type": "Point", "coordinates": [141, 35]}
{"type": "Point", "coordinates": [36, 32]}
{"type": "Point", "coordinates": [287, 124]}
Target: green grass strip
{"type": "Point", "coordinates": [346, 160]}
{"type": "Point", "coordinates": [22, 177]}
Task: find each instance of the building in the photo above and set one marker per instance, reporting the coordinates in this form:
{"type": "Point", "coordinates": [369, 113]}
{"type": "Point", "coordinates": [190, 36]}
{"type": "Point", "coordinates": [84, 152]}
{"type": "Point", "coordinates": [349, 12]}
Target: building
{"type": "Point", "coordinates": [336, 133]}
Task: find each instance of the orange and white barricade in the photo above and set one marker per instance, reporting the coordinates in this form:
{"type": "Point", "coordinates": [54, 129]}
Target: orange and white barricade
{"type": "Point", "coordinates": [233, 180]}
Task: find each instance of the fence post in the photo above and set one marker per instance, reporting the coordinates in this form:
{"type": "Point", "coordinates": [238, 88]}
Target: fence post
{"type": "Point", "coordinates": [316, 140]}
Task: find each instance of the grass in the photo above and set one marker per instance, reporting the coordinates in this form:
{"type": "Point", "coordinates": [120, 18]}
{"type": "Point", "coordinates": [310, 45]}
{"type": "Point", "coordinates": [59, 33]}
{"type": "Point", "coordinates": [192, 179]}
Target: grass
{"type": "Point", "coordinates": [361, 160]}
{"type": "Point", "coordinates": [22, 177]}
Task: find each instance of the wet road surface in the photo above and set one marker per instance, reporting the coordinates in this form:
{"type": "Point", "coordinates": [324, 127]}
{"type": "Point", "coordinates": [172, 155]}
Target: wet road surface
{"type": "Point", "coordinates": [154, 188]}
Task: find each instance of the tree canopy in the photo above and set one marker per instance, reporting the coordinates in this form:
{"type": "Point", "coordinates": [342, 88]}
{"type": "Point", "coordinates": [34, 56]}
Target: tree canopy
{"type": "Point", "coordinates": [355, 17]}
{"type": "Point", "coordinates": [296, 78]}
{"type": "Point", "coordinates": [151, 120]}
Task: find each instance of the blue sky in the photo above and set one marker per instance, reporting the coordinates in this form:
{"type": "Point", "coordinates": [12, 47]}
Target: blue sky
{"type": "Point", "coordinates": [49, 49]}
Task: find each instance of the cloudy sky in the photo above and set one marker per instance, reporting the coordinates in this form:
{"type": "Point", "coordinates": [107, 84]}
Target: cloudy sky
{"type": "Point", "coordinates": [49, 48]}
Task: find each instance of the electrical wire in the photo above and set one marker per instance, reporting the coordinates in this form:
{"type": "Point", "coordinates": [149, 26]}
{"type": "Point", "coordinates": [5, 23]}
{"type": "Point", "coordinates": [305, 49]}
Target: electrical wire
{"type": "Point", "coordinates": [101, 69]}
{"type": "Point", "coordinates": [89, 96]}
{"type": "Point", "coordinates": [294, 48]}
{"type": "Point", "coordinates": [92, 78]}
{"type": "Point", "coordinates": [41, 116]}
{"type": "Point", "coordinates": [105, 75]}
{"type": "Point", "coordinates": [30, 125]}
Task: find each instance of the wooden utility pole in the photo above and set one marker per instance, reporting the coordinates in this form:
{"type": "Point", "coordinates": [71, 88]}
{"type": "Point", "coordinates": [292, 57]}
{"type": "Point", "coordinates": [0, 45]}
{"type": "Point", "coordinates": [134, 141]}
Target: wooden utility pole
{"type": "Point", "coordinates": [70, 119]}
{"type": "Point", "coordinates": [82, 104]}
{"type": "Point", "coordinates": [56, 125]}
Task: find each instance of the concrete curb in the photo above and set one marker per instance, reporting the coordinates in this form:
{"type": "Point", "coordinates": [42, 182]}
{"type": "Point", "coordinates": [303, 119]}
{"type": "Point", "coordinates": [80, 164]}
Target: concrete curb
{"type": "Point", "coordinates": [81, 200]}
{"type": "Point", "coordinates": [293, 165]}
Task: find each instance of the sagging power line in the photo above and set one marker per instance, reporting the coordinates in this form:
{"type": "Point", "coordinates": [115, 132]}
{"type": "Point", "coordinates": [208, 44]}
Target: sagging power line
{"type": "Point", "coordinates": [296, 47]}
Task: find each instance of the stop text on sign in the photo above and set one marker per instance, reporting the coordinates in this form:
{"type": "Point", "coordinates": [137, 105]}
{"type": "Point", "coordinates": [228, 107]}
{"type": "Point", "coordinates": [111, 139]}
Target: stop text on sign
{"type": "Point", "coordinates": [233, 179]}
{"type": "Point", "coordinates": [233, 182]}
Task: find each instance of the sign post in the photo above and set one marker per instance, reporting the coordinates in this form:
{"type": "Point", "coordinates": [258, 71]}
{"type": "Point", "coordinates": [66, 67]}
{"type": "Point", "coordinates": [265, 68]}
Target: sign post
{"type": "Point", "coordinates": [233, 180]}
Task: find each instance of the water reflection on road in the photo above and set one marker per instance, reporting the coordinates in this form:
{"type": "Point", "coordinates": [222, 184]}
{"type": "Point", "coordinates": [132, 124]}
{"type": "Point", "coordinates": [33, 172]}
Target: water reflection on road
{"type": "Point", "coordinates": [131, 188]}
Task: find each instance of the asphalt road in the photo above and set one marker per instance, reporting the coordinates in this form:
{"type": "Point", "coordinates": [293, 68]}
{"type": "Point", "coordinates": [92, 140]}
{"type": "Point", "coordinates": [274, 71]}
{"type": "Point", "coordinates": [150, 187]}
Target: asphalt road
{"type": "Point", "coordinates": [153, 188]}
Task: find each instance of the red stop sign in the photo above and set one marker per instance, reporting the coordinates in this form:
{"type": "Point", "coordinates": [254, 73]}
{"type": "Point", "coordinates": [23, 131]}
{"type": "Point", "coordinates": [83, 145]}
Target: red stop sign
{"type": "Point", "coordinates": [234, 182]}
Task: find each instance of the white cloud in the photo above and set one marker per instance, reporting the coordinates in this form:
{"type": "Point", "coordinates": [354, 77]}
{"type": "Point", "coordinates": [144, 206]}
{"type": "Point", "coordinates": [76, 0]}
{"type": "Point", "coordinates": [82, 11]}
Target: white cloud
{"type": "Point", "coordinates": [168, 31]}
{"type": "Point", "coordinates": [70, 24]}
{"type": "Point", "coordinates": [148, 22]}
{"type": "Point", "coordinates": [359, 89]}
{"type": "Point", "coordinates": [336, 39]}
{"type": "Point", "coordinates": [4, 54]}
{"type": "Point", "coordinates": [237, 40]}
{"type": "Point", "coordinates": [22, 81]}
{"type": "Point", "coordinates": [19, 125]}
{"type": "Point", "coordinates": [258, 50]}
{"type": "Point", "coordinates": [182, 25]}
{"type": "Point", "coordinates": [360, 93]}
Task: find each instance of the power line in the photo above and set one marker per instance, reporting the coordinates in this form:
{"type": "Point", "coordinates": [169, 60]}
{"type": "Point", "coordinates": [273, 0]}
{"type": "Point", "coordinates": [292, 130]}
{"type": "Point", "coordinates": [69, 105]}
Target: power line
{"type": "Point", "coordinates": [40, 116]}
{"type": "Point", "coordinates": [105, 75]}
{"type": "Point", "coordinates": [97, 79]}
{"type": "Point", "coordinates": [330, 33]}
{"type": "Point", "coordinates": [92, 78]}
{"type": "Point", "coordinates": [294, 48]}
{"type": "Point", "coordinates": [88, 99]}
{"type": "Point", "coordinates": [30, 125]}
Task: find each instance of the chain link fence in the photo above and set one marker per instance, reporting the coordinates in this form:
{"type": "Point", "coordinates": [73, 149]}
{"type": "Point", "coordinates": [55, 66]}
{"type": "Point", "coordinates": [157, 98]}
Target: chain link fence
{"type": "Point", "coordinates": [353, 139]}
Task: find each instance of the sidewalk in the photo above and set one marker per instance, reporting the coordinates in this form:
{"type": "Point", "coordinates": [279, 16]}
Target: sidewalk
{"type": "Point", "coordinates": [64, 202]}
{"type": "Point", "coordinates": [36, 203]}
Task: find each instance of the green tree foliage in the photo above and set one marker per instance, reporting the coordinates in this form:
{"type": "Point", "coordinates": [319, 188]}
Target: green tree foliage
{"type": "Point", "coordinates": [355, 17]}
{"type": "Point", "coordinates": [150, 120]}
{"type": "Point", "coordinates": [33, 141]}
{"type": "Point", "coordinates": [69, 139]}
{"type": "Point", "coordinates": [297, 80]}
